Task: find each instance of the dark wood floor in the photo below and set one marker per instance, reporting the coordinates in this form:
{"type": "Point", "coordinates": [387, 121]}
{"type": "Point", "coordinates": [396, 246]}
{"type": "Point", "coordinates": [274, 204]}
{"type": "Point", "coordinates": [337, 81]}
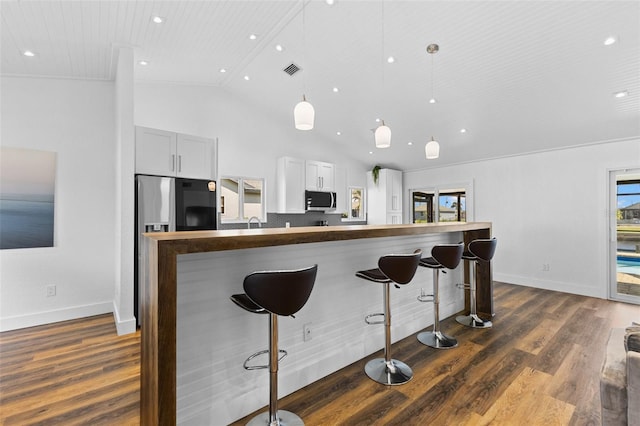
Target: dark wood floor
{"type": "Point", "coordinates": [538, 365]}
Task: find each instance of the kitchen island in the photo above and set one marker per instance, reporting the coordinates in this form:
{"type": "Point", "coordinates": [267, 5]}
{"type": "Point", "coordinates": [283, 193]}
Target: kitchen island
{"type": "Point", "coordinates": [194, 340]}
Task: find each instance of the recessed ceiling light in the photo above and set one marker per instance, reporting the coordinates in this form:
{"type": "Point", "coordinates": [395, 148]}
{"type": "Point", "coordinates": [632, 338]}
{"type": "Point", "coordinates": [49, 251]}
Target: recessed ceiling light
{"type": "Point", "coordinates": [409, 143]}
{"type": "Point", "coordinates": [330, 2]}
{"type": "Point", "coordinates": [157, 19]}
{"type": "Point", "coordinates": [610, 40]}
{"type": "Point", "coordinates": [370, 152]}
{"type": "Point", "coordinates": [432, 101]}
{"type": "Point", "coordinates": [338, 133]}
{"type": "Point", "coordinates": [246, 77]}
{"type": "Point", "coordinates": [621, 94]}
{"type": "Point", "coordinates": [391, 59]}
{"type": "Point", "coordinates": [336, 90]}
{"type": "Point", "coordinates": [377, 120]}
{"type": "Point", "coordinates": [463, 130]}
{"type": "Point", "coordinates": [253, 37]}
{"type": "Point", "coordinates": [29, 53]}
{"type": "Point", "coordinates": [279, 47]}
{"type": "Point", "coordinates": [143, 63]}
{"type": "Point", "coordinates": [223, 70]}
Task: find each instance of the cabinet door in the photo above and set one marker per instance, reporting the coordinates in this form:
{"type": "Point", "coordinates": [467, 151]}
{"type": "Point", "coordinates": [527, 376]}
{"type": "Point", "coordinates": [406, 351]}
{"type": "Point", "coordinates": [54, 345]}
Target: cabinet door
{"type": "Point", "coordinates": [312, 176]}
{"type": "Point", "coordinates": [155, 152]}
{"type": "Point", "coordinates": [326, 175]}
{"type": "Point", "coordinates": [394, 188]}
{"type": "Point", "coordinates": [394, 219]}
{"type": "Point", "coordinates": [194, 157]}
{"type": "Point", "coordinates": [320, 176]}
{"type": "Point", "coordinates": [290, 176]}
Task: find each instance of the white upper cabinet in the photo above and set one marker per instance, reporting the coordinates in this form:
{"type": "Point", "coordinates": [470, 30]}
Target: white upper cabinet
{"type": "Point", "coordinates": [290, 178]}
{"type": "Point", "coordinates": [384, 204]}
{"type": "Point", "coordinates": [163, 153]}
{"type": "Point", "coordinates": [320, 176]}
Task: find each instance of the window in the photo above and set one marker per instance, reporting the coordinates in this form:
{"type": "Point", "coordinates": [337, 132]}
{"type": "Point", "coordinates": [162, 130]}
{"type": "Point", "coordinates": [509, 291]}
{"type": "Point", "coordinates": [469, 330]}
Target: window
{"type": "Point", "coordinates": [422, 207]}
{"type": "Point", "coordinates": [431, 205]}
{"type": "Point", "coordinates": [452, 207]}
{"type": "Point", "coordinates": [355, 203]}
{"type": "Point", "coordinates": [628, 200]}
{"type": "Point", "coordinates": [242, 198]}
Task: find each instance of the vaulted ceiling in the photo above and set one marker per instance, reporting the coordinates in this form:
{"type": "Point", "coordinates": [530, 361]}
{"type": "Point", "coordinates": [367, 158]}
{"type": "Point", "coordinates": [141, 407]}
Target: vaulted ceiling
{"type": "Point", "coordinates": [519, 76]}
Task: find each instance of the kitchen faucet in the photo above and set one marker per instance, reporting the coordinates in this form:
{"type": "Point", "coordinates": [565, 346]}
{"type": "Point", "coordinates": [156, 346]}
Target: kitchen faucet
{"type": "Point", "coordinates": [250, 219]}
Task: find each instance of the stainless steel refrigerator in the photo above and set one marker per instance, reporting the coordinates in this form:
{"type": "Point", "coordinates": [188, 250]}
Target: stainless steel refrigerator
{"type": "Point", "coordinates": [166, 204]}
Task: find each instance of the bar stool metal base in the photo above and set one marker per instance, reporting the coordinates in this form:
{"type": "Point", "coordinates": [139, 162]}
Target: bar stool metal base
{"type": "Point", "coordinates": [393, 372]}
{"type": "Point", "coordinates": [437, 340]}
{"type": "Point", "coordinates": [285, 418]}
{"type": "Point", "coordinates": [473, 321]}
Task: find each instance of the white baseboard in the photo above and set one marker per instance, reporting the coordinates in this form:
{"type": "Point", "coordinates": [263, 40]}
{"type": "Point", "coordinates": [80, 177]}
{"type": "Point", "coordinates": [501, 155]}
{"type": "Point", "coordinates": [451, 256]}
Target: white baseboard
{"type": "Point", "coordinates": [47, 317]}
{"type": "Point", "coordinates": [127, 326]}
{"type": "Point", "coordinates": [561, 286]}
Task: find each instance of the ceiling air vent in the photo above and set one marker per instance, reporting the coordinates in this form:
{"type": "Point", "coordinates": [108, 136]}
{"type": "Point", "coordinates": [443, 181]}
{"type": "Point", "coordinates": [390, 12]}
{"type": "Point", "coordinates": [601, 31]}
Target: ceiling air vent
{"type": "Point", "coordinates": [291, 69]}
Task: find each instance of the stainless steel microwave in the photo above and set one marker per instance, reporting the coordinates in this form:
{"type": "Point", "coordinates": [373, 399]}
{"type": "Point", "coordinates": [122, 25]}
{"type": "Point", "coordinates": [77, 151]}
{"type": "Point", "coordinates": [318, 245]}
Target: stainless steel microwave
{"type": "Point", "coordinates": [320, 200]}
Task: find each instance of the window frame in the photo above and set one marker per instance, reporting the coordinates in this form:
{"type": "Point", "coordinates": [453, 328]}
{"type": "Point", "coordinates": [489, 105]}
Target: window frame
{"type": "Point", "coordinates": [241, 203]}
{"type": "Point", "coordinates": [350, 217]}
{"type": "Point", "coordinates": [465, 188]}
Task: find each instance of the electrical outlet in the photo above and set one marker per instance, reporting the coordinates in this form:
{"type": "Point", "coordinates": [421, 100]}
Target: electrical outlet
{"type": "Point", "coordinates": [306, 332]}
{"type": "Point", "coordinates": [51, 290]}
{"type": "Point", "coordinates": [546, 267]}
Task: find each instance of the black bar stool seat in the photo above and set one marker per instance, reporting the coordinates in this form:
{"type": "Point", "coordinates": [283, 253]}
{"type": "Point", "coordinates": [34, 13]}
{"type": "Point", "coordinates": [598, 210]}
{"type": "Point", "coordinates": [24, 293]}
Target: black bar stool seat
{"type": "Point", "coordinates": [480, 250]}
{"type": "Point", "coordinates": [443, 256]}
{"type": "Point", "coordinates": [276, 293]}
{"type": "Point", "coordinates": [397, 269]}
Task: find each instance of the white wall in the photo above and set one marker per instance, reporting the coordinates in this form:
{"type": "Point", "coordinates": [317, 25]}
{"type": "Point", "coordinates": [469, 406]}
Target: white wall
{"type": "Point", "coordinates": [546, 208]}
{"type": "Point", "coordinates": [249, 140]}
{"type": "Point", "coordinates": [75, 120]}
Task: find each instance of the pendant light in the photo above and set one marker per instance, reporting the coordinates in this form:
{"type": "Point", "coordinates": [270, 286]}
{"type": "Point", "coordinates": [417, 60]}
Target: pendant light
{"type": "Point", "coordinates": [303, 114]}
{"type": "Point", "coordinates": [432, 148]}
{"type": "Point", "coordinates": [382, 135]}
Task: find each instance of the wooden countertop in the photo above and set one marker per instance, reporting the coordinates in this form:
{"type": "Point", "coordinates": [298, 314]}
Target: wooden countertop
{"type": "Point", "coordinates": [233, 239]}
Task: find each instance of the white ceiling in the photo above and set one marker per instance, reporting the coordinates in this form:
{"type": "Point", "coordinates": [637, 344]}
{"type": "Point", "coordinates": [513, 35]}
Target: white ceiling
{"type": "Point", "coordinates": [520, 76]}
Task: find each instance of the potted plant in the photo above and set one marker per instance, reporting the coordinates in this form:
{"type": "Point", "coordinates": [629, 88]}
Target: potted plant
{"type": "Point", "coordinates": [375, 173]}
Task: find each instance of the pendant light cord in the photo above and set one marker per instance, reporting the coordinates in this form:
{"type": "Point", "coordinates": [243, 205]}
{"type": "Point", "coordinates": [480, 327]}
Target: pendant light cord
{"type": "Point", "coordinates": [382, 57]}
{"type": "Point", "coordinates": [304, 48]}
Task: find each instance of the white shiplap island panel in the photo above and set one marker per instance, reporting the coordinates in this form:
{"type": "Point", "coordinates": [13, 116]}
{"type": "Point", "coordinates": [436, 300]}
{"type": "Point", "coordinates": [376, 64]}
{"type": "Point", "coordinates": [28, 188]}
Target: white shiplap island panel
{"type": "Point", "coordinates": [201, 373]}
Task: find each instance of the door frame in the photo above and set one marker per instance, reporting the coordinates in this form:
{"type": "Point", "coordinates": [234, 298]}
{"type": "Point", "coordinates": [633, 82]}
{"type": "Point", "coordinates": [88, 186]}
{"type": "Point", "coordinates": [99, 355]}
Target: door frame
{"type": "Point", "coordinates": [612, 233]}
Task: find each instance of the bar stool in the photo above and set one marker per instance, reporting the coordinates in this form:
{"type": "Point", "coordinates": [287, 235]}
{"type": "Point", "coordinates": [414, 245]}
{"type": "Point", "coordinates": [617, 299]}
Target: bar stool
{"type": "Point", "coordinates": [442, 256]}
{"type": "Point", "coordinates": [275, 293]}
{"type": "Point", "coordinates": [397, 269]}
{"type": "Point", "coordinates": [480, 250]}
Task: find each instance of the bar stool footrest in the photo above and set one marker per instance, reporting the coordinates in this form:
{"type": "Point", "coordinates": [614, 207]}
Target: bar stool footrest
{"type": "Point", "coordinates": [425, 298]}
{"type": "Point", "coordinates": [261, 367]}
{"type": "Point", "coordinates": [381, 314]}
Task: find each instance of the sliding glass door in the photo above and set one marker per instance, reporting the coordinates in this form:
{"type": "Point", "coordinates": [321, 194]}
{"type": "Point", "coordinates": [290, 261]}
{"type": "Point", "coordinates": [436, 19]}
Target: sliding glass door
{"type": "Point", "coordinates": [625, 235]}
